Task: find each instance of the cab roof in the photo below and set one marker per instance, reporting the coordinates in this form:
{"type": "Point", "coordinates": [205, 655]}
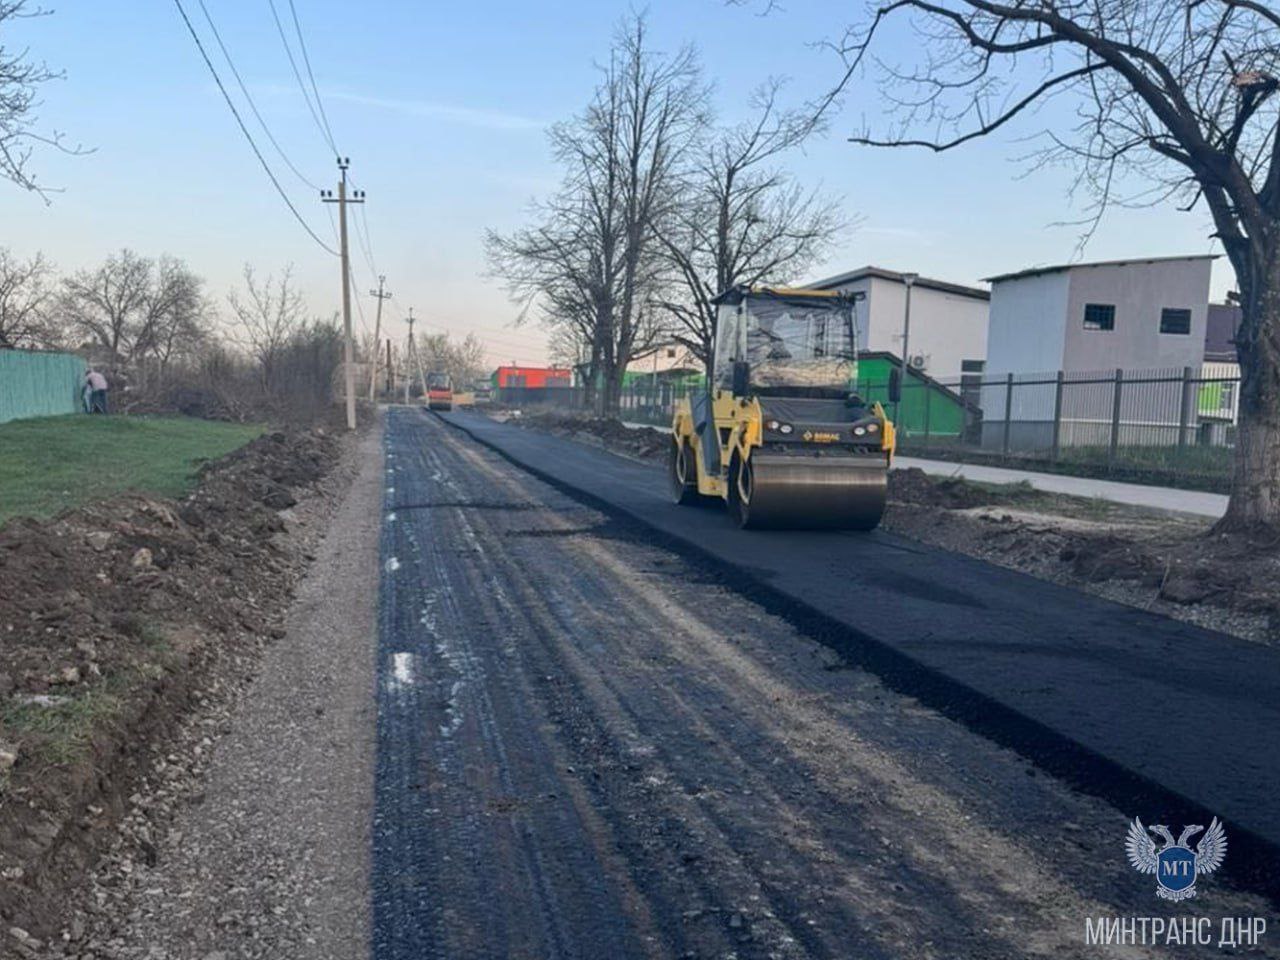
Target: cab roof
{"type": "Point", "coordinates": [736, 295]}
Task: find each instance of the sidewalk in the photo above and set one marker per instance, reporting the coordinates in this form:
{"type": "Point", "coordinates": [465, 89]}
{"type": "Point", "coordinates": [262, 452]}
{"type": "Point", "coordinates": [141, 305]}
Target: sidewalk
{"type": "Point", "coordinates": [1133, 494]}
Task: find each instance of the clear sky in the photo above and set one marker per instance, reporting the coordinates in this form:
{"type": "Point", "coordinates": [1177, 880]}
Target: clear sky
{"type": "Point", "coordinates": [442, 107]}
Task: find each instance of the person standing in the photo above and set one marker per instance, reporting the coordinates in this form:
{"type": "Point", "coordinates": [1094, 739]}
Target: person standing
{"type": "Point", "coordinates": [97, 385]}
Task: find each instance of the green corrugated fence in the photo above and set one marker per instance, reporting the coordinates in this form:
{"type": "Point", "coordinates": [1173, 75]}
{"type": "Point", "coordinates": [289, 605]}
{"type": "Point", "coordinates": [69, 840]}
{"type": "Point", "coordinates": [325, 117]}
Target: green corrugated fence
{"type": "Point", "coordinates": [39, 384]}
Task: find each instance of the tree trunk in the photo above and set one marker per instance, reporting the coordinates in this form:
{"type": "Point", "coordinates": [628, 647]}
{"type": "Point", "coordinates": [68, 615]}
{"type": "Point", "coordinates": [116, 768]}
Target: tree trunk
{"type": "Point", "coordinates": [1254, 506]}
{"type": "Point", "coordinates": [613, 391]}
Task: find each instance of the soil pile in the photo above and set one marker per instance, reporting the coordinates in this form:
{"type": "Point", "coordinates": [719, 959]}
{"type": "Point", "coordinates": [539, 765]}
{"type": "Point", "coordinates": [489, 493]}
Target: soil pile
{"type": "Point", "coordinates": [109, 616]}
{"type": "Point", "coordinates": [644, 443]}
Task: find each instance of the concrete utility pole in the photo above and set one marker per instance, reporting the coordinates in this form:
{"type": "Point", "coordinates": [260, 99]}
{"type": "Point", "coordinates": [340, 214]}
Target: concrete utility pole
{"type": "Point", "coordinates": [408, 359]}
{"type": "Point", "coordinates": [417, 359]}
{"type": "Point", "coordinates": [348, 348]}
{"type": "Point", "coordinates": [391, 383]}
{"type": "Point", "coordinates": [381, 294]}
{"type": "Point", "coordinates": [909, 279]}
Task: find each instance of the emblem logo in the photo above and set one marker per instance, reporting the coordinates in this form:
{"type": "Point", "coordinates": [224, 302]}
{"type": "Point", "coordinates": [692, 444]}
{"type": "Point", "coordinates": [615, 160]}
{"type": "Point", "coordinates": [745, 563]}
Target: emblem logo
{"type": "Point", "coordinates": [1175, 864]}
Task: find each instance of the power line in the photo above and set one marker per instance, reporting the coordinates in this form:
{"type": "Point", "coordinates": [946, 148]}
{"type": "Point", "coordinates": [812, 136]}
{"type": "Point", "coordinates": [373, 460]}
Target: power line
{"type": "Point", "coordinates": [362, 237]}
{"type": "Point", "coordinates": [298, 76]}
{"type": "Point", "coordinates": [306, 59]}
{"type": "Point", "coordinates": [252, 106]}
{"type": "Point", "coordinates": [245, 130]}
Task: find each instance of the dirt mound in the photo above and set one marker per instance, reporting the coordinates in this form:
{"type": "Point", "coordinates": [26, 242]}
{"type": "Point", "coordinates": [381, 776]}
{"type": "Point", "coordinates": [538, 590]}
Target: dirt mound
{"type": "Point", "coordinates": [913, 485]}
{"type": "Point", "coordinates": [108, 614]}
{"type": "Point", "coordinates": [1235, 572]}
{"type": "Point", "coordinates": [645, 443]}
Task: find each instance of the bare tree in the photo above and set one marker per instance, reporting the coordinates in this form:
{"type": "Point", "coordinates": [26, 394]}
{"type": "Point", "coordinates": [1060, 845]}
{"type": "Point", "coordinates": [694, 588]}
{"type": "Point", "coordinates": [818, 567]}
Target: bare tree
{"type": "Point", "coordinates": [175, 316]}
{"type": "Point", "coordinates": [462, 360]}
{"type": "Point", "coordinates": [266, 317]}
{"type": "Point", "coordinates": [137, 309]}
{"type": "Point", "coordinates": [742, 219]}
{"type": "Point", "coordinates": [594, 261]}
{"type": "Point", "coordinates": [20, 81]}
{"type": "Point", "coordinates": [1179, 95]}
{"type": "Point", "coordinates": [106, 306]}
{"type": "Point", "coordinates": [25, 296]}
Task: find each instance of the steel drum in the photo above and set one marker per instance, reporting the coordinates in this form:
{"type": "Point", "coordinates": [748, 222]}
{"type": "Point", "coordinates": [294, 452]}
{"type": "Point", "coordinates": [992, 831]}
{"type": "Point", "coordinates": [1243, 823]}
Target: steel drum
{"type": "Point", "coordinates": [811, 492]}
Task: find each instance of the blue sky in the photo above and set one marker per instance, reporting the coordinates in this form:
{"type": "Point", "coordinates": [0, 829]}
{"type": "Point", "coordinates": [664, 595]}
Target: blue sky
{"type": "Point", "coordinates": [442, 107]}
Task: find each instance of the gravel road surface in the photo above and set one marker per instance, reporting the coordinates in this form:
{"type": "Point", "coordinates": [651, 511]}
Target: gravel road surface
{"type": "Point", "coordinates": [588, 746]}
{"type": "Point", "coordinates": [267, 852]}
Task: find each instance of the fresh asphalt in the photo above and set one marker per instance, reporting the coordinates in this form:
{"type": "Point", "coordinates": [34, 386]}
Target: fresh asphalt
{"type": "Point", "coordinates": [1168, 721]}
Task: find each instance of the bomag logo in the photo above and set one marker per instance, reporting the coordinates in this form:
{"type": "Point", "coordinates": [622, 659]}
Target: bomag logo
{"type": "Point", "coordinates": [821, 436]}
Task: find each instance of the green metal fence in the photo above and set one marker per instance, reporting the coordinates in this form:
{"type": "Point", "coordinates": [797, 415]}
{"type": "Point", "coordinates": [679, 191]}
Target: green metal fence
{"type": "Point", "coordinates": [39, 384]}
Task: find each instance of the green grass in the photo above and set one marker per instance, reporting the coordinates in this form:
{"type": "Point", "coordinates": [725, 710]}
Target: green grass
{"type": "Point", "coordinates": [51, 463]}
{"type": "Point", "coordinates": [61, 733]}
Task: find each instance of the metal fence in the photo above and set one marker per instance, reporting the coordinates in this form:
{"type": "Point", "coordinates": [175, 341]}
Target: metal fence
{"type": "Point", "coordinates": [1174, 426]}
{"type": "Point", "coordinates": [34, 384]}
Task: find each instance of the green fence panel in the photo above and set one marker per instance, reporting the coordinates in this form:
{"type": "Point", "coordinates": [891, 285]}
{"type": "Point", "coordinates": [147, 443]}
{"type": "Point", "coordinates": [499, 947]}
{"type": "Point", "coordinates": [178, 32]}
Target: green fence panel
{"type": "Point", "coordinates": [39, 384]}
{"type": "Point", "coordinates": [927, 408]}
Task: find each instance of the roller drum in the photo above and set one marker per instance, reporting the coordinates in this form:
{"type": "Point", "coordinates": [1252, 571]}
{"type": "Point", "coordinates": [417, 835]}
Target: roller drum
{"type": "Point", "coordinates": [828, 492]}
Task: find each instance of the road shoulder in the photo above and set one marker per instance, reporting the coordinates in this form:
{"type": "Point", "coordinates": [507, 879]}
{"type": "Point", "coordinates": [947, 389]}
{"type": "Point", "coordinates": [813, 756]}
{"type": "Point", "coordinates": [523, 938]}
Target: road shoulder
{"type": "Point", "coordinates": [269, 856]}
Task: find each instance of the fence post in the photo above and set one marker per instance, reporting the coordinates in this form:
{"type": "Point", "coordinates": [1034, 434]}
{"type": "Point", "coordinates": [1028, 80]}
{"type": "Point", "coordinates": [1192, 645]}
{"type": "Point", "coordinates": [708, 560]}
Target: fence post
{"type": "Point", "coordinates": [1057, 417]}
{"type": "Point", "coordinates": [1115, 417]}
{"type": "Point", "coordinates": [1184, 408]}
{"type": "Point", "coordinates": [1008, 409]}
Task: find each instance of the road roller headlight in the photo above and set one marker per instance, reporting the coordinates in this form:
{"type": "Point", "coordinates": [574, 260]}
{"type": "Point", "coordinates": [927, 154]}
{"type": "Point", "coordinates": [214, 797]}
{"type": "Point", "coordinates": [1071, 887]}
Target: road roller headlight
{"type": "Point", "coordinates": [772, 425]}
{"type": "Point", "coordinates": [859, 431]}
{"type": "Point", "coordinates": [785, 428]}
{"type": "Point", "coordinates": [872, 427]}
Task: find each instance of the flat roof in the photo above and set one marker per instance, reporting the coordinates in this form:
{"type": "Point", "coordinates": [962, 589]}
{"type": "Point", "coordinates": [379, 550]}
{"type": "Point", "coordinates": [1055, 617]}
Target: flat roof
{"type": "Point", "coordinates": [944, 286]}
{"type": "Point", "coordinates": [1062, 267]}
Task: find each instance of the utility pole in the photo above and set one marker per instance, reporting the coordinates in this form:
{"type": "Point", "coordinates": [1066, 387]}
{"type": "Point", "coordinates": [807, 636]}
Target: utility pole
{"type": "Point", "coordinates": [381, 294]}
{"type": "Point", "coordinates": [390, 374]}
{"type": "Point", "coordinates": [348, 348]}
{"type": "Point", "coordinates": [417, 359]}
{"type": "Point", "coordinates": [909, 279]}
{"type": "Point", "coordinates": [408, 359]}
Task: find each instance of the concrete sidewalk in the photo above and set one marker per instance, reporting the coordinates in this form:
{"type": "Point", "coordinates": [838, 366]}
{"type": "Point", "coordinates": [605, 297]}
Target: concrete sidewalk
{"type": "Point", "coordinates": [1133, 494]}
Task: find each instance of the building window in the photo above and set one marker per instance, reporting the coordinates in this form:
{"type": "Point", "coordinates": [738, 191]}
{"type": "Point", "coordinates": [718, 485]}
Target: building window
{"type": "Point", "coordinates": [1175, 321]}
{"type": "Point", "coordinates": [1099, 316]}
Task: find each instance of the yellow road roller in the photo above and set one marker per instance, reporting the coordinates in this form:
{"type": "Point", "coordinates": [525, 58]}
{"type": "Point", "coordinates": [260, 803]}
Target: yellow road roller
{"type": "Point", "coordinates": [780, 433]}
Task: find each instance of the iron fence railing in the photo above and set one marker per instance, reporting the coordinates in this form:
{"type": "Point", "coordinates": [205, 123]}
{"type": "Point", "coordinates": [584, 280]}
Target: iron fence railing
{"type": "Point", "coordinates": [1172, 426]}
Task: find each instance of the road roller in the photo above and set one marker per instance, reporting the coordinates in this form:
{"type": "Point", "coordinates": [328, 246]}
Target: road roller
{"type": "Point", "coordinates": [780, 434]}
{"type": "Point", "coordinates": [439, 391]}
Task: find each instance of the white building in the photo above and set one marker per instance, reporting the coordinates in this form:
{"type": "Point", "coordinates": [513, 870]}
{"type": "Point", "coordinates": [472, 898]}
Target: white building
{"type": "Point", "coordinates": [1083, 322]}
{"type": "Point", "coordinates": [1129, 314]}
{"type": "Point", "coordinates": [948, 321]}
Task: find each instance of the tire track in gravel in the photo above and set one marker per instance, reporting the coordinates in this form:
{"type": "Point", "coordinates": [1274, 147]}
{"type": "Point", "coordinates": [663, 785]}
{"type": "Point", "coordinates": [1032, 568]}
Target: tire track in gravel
{"type": "Point", "coordinates": [587, 747]}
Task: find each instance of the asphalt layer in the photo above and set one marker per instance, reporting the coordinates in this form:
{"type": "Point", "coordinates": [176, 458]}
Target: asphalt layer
{"type": "Point", "coordinates": [1170, 722]}
{"type": "Point", "coordinates": [589, 745]}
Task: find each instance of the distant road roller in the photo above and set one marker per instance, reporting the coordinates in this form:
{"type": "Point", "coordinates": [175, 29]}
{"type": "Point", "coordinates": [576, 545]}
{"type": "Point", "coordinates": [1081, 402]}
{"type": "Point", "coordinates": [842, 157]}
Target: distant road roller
{"type": "Point", "coordinates": [780, 434]}
{"type": "Point", "coordinates": [439, 391]}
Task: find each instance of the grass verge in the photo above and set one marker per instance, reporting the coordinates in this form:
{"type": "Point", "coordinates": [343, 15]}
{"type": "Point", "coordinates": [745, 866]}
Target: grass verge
{"type": "Point", "coordinates": [52, 463]}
